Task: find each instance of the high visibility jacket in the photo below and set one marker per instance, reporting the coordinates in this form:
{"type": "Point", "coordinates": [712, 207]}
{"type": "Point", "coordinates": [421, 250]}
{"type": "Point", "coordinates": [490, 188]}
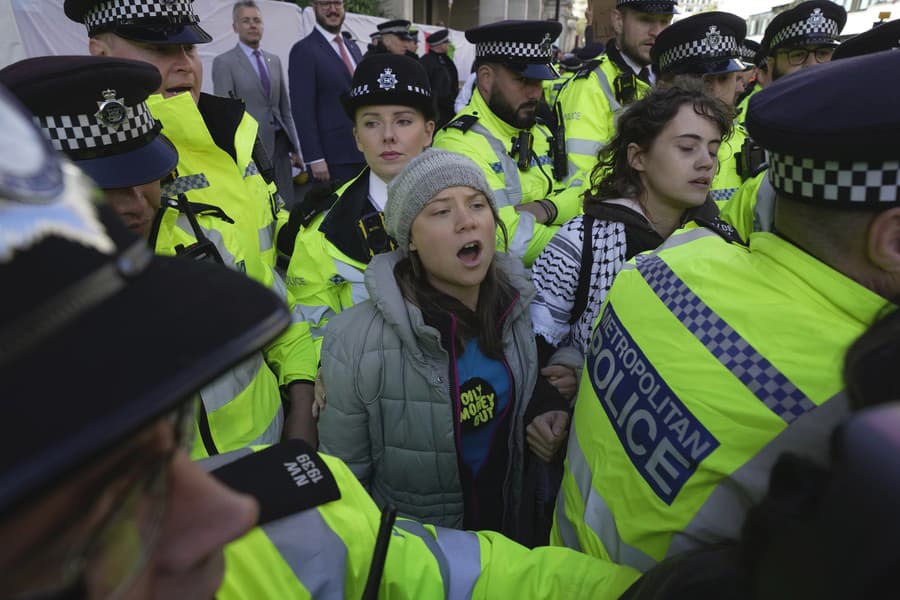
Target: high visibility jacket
{"type": "Point", "coordinates": [744, 104]}
{"type": "Point", "coordinates": [708, 361]}
{"type": "Point", "coordinates": [325, 550]}
{"type": "Point", "coordinates": [589, 106]}
{"type": "Point", "coordinates": [552, 87]}
{"type": "Point", "coordinates": [752, 207]}
{"type": "Point", "coordinates": [325, 273]}
{"type": "Point", "coordinates": [727, 180]}
{"type": "Point", "coordinates": [242, 406]}
{"type": "Point", "coordinates": [479, 134]}
{"type": "Point", "coordinates": [216, 140]}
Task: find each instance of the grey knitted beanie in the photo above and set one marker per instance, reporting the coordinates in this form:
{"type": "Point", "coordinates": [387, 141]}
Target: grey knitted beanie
{"type": "Point", "coordinates": [421, 180]}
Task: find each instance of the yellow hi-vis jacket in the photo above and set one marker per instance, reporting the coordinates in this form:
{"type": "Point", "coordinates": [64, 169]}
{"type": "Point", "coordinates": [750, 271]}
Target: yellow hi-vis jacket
{"type": "Point", "coordinates": [243, 405]}
{"type": "Point", "coordinates": [216, 141]}
{"type": "Point", "coordinates": [708, 361]}
{"type": "Point", "coordinates": [727, 180]}
{"type": "Point", "coordinates": [478, 133]}
{"type": "Point", "coordinates": [589, 107]}
{"type": "Point", "coordinates": [752, 207]}
{"type": "Point", "coordinates": [325, 549]}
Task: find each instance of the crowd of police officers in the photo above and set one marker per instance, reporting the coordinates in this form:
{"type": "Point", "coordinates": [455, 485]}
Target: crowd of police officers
{"type": "Point", "coordinates": [713, 385]}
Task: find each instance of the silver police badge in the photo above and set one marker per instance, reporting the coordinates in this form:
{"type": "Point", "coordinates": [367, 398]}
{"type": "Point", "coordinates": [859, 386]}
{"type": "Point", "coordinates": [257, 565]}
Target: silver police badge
{"type": "Point", "coordinates": [714, 37]}
{"type": "Point", "coordinates": [816, 19]}
{"type": "Point", "coordinates": [546, 43]}
{"type": "Point", "coordinates": [111, 111]}
{"type": "Point", "coordinates": [387, 80]}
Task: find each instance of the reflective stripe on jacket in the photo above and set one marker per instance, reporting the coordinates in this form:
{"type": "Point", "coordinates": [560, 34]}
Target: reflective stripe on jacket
{"type": "Point", "coordinates": [699, 373]}
{"type": "Point", "coordinates": [325, 553]}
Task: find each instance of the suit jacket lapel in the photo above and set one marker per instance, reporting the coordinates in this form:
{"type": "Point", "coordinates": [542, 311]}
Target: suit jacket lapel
{"type": "Point", "coordinates": [244, 61]}
{"type": "Point", "coordinates": [328, 50]}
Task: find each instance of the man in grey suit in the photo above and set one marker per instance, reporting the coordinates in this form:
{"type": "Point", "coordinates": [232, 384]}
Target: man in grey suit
{"type": "Point", "coordinates": [256, 77]}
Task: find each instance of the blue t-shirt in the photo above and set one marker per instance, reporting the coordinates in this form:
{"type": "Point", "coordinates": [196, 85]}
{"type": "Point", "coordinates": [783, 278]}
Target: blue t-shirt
{"type": "Point", "coordinates": [484, 390]}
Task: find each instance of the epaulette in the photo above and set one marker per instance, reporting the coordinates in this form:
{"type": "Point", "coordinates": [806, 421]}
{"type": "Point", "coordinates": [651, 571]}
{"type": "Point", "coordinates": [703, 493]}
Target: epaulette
{"type": "Point", "coordinates": [200, 208]}
{"type": "Point", "coordinates": [286, 478]}
{"type": "Point", "coordinates": [464, 123]}
{"type": "Point", "coordinates": [722, 229]}
{"type": "Point", "coordinates": [587, 68]}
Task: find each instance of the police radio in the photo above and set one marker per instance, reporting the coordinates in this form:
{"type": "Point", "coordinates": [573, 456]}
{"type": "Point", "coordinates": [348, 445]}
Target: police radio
{"type": "Point", "coordinates": [522, 147]}
{"type": "Point", "coordinates": [625, 86]}
{"type": "Point", "coordinates": [201, 250]}
{"type": "Point", "coordinates": [558, 146]}
{"type": "Point", "coordinates": [749, 159]}
{"type": "Point", "coordinates": [376, 238]}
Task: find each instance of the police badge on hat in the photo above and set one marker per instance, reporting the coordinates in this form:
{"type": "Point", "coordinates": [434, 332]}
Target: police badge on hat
{"type": "Point", "coordinates": [111, 111]}
{"type": "Point", "coordinates": [387, 80]}
{"type": "Point", "coordinates": [713, 37]}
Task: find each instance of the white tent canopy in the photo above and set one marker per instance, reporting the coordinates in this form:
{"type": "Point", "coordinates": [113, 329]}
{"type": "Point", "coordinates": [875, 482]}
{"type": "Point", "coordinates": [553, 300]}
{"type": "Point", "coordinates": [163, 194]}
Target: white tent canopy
{"type": "Point", "coordinates": [40, 28]}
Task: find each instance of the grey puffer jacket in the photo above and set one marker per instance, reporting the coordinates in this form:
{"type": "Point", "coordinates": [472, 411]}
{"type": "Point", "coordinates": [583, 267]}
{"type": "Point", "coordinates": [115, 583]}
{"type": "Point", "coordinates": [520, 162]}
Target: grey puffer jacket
{"type": "Point", "coordinates": [390, 416]}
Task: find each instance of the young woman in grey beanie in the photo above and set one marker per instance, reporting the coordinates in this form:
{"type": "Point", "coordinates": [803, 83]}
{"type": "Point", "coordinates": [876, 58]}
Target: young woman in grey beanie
{"type": "Point", "coordinates": [443, 360]}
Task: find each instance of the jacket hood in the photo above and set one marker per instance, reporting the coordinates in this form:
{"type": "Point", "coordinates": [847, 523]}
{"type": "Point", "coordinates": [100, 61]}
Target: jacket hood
{"type": "Point", "coordinates": [406, 318]}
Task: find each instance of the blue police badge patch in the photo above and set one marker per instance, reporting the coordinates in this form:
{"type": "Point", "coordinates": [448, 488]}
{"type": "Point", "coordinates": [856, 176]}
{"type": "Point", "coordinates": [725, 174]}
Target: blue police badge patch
{"type": "Point", "coordinates": [663, 440]}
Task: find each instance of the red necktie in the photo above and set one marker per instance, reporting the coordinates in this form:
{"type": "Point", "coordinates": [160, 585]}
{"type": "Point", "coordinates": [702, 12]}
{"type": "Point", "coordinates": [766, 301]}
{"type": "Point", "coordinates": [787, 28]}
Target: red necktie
{"type": "Point", "coordinates": [344, 56]}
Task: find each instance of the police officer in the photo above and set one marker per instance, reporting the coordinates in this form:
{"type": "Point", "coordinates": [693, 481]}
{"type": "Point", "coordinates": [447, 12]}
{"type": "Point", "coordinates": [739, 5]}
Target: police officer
{"type": "Point", "coordinates": [800, 38]}
{"type": "Point", "coordinates": [442, 74]}
{"type": "Point", "coordinates": [97, 496]}
{"type": "Point", "coordinates": [119, 146]}
{"type": "Point", "coordinates": [337, 235]}
{"type": "Point", "coordinates": [393, 37]}
{"type": "Point", "coordinates": [603, 87]}
{"type": "Point", "coordinates": [710, 359]}
{"type": "Point", "coordinates": [221, 159]}
{"type": "Point", "coordinates": [569, 64]}
{"type": "Point", "coordinates": [499, 130]}
{"type": "Point", "coordinates": [754, 77]}
{"type": "Point", "coordinates": [165, 34]}
{"type": "Point", "coordinates": [707, 46]}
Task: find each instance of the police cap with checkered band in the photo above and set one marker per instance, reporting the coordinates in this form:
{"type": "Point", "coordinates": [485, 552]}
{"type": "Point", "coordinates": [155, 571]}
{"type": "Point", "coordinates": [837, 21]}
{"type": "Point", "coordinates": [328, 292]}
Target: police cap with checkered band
{"type": "Point", "coordinates": [813, 23]}
{"type": "Point", "coordinates": [525, 47]}
{"type": "Point", "coordinates": [86, 304]}
{"type": "Point", "coordinates": [147, 21]}
{"type": "Point", "coordinates": [653, 7]}
{"type": "Point", "coordinates": [382, 79]}
{"type": "Point", "coordinates": [93, 109]}
{"type": "Point", "coordinates": [885, 36]}
{"type": "Point", "coordinates": [399, 27]}
{"type": "Point", "coordinates": [831, 132]}
{"type": "Point", "coordinates": [707, 43]}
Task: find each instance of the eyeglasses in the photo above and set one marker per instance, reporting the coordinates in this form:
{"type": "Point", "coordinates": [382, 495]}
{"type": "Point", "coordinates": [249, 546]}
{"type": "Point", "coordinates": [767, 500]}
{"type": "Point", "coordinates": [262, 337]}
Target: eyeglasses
{"type": "Point", "coordinates": [798, 56]}
{"type": "Point", "coordinates": [116, 549]}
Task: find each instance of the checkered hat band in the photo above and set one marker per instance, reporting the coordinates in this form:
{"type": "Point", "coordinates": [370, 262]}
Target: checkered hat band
{"type": "Point", "coordinates": [83, 136]}
{"type": "Point", "coordinates": [747, 54]}
{"type": "Point", "coordinates": [841, 182]}
{"type": "Point", "coordinates": [397, 29]}
{"type": "Point", "coordinates": [825, 28]}
{"type": "Point", "coordinates": [727, 47]}
{"type": "Point", "coordinates": [129, 11]}
{"type": "Point", "coordinates": [512, 50]}
{"type": "Point", "coordinates": [363, 90]}
{"type": "Point", "coordinates": [647, 7]}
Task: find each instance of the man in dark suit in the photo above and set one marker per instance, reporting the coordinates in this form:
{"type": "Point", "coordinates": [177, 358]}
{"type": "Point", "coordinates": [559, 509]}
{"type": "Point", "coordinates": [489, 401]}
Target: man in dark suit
{"type": "Point", "coordinates": [255, 76]}
{"type": "Point", "coordinates": [320, 69]}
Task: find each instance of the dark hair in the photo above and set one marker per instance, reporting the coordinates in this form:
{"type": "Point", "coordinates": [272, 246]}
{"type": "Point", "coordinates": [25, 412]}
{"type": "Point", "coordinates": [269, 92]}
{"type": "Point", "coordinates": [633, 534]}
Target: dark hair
{"type": "Point", "coordinates": [494, 297]}
{"type": "Point", "coordinates": [641, 124]}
